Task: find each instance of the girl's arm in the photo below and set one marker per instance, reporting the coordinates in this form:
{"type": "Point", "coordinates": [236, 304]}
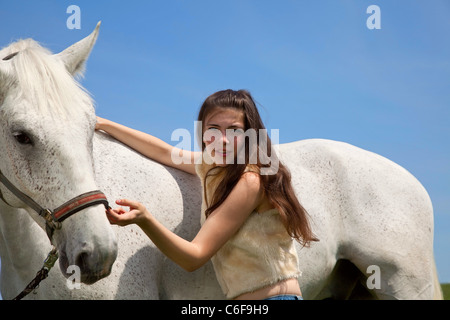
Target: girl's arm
{"type": "Point", "coordinates": [220, 226]}
{"type": "Point", "coordinates": [148, 145]}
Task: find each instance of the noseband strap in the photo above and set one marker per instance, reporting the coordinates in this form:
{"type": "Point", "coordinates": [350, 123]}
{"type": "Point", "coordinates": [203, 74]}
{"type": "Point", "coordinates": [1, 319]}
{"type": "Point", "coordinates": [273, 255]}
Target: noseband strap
{"type": "Point", "coordinates": [79, 203]}
{"type": "Point", "coordinates": [53, 218]}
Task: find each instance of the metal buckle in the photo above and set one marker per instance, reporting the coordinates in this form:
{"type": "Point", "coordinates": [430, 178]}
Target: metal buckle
{"type": "Point", "coordinates": [47, 214]}
{"type": "Point", "coordinates": [49, 262]}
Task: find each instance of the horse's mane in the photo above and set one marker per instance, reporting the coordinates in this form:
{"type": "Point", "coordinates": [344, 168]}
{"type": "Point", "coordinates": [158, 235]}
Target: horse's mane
{"type": "Point", "coordinates": [42, 79]}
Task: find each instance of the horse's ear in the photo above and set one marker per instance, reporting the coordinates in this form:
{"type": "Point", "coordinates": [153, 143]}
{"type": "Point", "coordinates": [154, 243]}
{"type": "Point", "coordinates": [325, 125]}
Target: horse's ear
{"type": "Point", "coordinates": [75, 56]}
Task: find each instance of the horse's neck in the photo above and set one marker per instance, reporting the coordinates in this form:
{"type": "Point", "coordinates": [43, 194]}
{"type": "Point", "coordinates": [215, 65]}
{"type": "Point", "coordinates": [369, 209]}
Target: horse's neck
{"type": "Point", "coordinates": [22, 247]}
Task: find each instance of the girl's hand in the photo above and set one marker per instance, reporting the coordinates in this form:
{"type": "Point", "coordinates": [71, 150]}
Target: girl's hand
{"type": "Point", "coordinates": [99, 123]}
{"type": "Point", "coordinates": [137, 214]}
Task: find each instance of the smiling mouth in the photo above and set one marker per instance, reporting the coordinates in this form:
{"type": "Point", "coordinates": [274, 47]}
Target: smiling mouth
{"type": "Point", "coordinates": [222, 153]}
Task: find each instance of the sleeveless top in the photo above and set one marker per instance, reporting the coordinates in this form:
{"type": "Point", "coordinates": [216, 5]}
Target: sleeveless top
{"type": "Point", "coordinates": [261, 253]}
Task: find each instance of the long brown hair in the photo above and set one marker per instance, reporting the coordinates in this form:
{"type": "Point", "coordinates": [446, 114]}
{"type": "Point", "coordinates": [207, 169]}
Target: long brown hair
{"type": "Point", "coordinates": [277, 187]}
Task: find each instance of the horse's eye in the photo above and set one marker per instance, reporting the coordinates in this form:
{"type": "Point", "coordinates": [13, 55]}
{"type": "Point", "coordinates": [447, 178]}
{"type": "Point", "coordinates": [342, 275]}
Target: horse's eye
{"type": "Point", "coordinates": [22, 138]}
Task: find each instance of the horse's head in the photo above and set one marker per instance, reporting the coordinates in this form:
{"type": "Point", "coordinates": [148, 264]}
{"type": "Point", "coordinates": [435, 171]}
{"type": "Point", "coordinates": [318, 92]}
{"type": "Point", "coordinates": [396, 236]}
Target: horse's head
{"type": "Point", "coordinates": [46, 134]}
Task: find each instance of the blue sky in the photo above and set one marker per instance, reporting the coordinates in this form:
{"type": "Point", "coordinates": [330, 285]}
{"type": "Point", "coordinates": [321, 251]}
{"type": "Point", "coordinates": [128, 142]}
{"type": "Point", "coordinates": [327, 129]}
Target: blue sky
{"type": "Point", "coordinates": [315, 68]}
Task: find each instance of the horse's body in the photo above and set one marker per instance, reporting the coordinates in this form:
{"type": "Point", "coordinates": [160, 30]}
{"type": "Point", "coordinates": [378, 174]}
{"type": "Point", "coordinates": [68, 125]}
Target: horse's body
{"type": "Point", "coordinates": [366, 211]}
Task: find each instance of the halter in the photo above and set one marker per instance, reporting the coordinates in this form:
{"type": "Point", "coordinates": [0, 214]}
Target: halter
{"type": "Point", "coordinates": [54, 218]}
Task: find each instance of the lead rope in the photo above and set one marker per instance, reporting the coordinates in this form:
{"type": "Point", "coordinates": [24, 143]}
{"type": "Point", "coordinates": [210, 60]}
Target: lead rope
{"type": "Point", "coordinates": [53, 220]}
{"type": "Point", "coordinates": [49, 262]}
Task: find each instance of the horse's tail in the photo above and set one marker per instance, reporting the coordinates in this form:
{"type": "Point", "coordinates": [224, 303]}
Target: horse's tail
{"type": "Point", "coordinates": [437, 295]}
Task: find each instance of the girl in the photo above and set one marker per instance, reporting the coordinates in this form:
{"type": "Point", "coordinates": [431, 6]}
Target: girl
{"type": "Point", "coordinates": [249, 219]}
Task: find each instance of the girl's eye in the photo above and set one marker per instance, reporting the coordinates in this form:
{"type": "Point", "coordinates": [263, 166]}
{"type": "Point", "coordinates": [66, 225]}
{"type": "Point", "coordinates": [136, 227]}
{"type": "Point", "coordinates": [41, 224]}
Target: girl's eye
{"type": "Point", "coordinates": [22, 138]}
{"type": "Point", "coordinates": [211, 132]}
{"type": "Point", "coordinates": [235, 131]}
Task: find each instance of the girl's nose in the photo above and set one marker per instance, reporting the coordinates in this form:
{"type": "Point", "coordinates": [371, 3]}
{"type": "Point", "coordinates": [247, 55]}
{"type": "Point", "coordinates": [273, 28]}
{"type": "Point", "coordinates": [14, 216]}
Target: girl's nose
{"type": "Point", "coordinates": [224, 138]}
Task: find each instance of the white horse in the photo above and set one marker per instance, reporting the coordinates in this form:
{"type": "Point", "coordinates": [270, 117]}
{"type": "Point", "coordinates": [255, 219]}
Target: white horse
{"type": "Point", "coordinates": [373, 218]}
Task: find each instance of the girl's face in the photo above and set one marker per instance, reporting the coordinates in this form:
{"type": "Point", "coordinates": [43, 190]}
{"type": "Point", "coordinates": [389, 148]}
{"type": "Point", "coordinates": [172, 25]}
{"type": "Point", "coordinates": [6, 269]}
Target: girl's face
{"type": "Point", "coordinates": [223, 134]}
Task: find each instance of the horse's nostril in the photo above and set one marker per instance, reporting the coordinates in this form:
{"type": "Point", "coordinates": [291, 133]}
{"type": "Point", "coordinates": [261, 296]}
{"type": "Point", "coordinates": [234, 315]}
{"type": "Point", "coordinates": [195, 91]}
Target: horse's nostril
{"type": "Point", "coordinates": [90, 269]}
{"type": "Point", "coordinates": [82, 260]}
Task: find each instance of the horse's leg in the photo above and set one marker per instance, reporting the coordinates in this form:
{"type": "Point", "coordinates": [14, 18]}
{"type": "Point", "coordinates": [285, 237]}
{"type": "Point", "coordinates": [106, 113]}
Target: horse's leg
{"type": "Point", "coordinates": [389, 229]}
{"type": "Point", "coordinates": [400, 277]}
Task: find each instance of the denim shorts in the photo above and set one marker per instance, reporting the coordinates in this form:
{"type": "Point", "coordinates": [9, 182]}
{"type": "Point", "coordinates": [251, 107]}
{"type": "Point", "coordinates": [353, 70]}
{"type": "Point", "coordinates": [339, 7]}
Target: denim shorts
{"type": "Point", "coordinates": [285, 297]}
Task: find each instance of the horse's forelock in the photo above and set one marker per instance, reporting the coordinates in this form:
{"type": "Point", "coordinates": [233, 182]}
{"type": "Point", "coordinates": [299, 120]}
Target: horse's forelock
{"type": "Point", "coordinates": [43, 79]}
